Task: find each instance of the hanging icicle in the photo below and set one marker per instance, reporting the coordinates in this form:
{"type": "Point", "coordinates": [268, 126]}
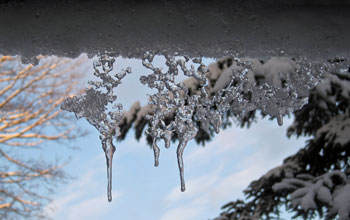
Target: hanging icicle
{"type": "Point", "coordinates": [93, 104]}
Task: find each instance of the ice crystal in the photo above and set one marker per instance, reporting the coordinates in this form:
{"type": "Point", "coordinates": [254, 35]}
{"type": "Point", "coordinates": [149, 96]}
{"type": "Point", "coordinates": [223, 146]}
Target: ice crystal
{"type": "Point", "coordinates": [93, 105]}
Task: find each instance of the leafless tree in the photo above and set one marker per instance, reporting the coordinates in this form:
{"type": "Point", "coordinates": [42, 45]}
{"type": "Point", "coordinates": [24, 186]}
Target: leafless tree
{"type": "Point", "coordinates": [30, 96]}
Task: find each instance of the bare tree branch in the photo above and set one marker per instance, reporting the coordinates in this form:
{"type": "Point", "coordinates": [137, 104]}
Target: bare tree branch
{"type": "Point", "coordinates": [30, 97]}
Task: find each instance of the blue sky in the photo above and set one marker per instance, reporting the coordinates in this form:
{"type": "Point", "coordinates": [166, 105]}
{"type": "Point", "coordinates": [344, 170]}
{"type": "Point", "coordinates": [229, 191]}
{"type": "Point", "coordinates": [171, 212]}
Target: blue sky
{"type": "Point", "coordinates": [214, 174]}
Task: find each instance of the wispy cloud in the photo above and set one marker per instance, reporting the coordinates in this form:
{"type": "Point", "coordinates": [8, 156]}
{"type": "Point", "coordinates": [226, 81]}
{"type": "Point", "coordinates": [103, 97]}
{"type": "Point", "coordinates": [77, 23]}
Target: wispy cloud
{"type": "Point", "coordinates": [214, 175]}
{"type": "Point", "coordinates": [92, 208]}
{"type": "Point", "coordinates": [195, 186]}
{"type": "Point", "coordinates": [83, 198]}
{"type": "Point", "coordinates": [207, 193]}
{"type": "Point", "coordinates": [182, 212]}
{"type": "Point", "coordinates": [228, 187]}
{"type": "Point", "coordinates": [264, 150]}
{"type": "Point", "coordinates": [225, 144]}
{"type": "Point", "coordinates": [73, 192]}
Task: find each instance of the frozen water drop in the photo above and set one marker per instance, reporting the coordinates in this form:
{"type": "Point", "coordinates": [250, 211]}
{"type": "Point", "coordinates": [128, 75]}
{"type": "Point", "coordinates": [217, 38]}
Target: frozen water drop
{"type": "Point", "coordinates": [197, 60]}
{"type": "Point", "coordinates": [156, 151]}
{"type": "Point", "coordinates": [120, 75]}
{"type": "Point", "coordinates": [217, 123]}
{"type": "Point", "coordinates": [128, 70]}
{"type": "Point", "coordinates": [109, 150]}
{"type": "Point", "coordinates": [180, 150]}
{"type": "Point", "coordinates": [167, 138]}
{"type": "Point", "coordinates": [280, 120]}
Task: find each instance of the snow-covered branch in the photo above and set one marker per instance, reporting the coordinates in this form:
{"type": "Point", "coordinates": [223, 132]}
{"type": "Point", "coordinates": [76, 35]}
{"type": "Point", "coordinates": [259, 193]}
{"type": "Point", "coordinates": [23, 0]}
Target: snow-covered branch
{"type": "Point", "coordinates": [299, 182]}
{"type": "Point", "coordinates": [267, 79]}
{"type": "Point", "coordinates": [309, 194]}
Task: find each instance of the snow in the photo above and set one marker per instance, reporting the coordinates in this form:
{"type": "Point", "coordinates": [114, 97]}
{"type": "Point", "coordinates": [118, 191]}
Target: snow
{"type": "Point", "coordinates": [144, 110]}
{"type": "Point", "coordinates": [276, 65]}
{"type": "Point", "coordinates": [191, 83]}
{"type": "Point", "coordinates": [287, 169]}
{"type": "Point", "coordinates": [324, 195]}
{"type": "Point", "coordinates": [132, 111]}
{"type": "Point", "coordinates": [324, 88]}
{"type": "Point", "coordinates": [310, 193]}
{"type": "Point", "coordinates": [341, 202]}
{"type": "Point", "coordinates": [337, 130]}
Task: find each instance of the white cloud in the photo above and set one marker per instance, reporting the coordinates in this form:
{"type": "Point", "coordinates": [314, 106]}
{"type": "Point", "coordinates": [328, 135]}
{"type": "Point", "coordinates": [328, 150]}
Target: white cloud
{"type": "Point", "coordinates": [215, 187]}
{"type": "Point", "coordinates": [92, 208]}
{"type": "Point", "coordinates": [83, 198]}
{"type": "Point", "coordinates": [73, 192]}
{"type": "Point", "coordinates": [209, 192]}
{"type": "Point", "coordinates": [183, 213]}
{"type": "Point", "coordinates": [229, 187]}
{"type": "Point", "coordinates": [266, 148]}
{"type": "Point", "coordinates": [194, 187]}
{"type": "Point", "coordinates": [58, 205]}
{"type": "Point", "coordinates": [225, 144]}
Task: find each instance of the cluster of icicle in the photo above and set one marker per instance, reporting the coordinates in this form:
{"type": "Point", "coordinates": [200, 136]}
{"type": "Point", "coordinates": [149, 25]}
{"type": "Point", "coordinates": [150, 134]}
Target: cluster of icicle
{"type": "Point", "coordinates": [203, 108]}
{"type": "Point", "coordinates": [94, 104]}
{"type": "Point", "coordinates": [287, 93]}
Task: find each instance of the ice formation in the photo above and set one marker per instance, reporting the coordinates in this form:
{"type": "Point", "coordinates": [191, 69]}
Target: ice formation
{"type": "Point", "coordinates": [195, 103]}
{"type": "Point", "coordinates": [93, 105]}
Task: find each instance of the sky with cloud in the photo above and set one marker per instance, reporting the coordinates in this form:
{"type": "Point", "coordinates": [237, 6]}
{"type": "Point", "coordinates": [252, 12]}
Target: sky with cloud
{"type": "Point", "coordinates": [215, 174]}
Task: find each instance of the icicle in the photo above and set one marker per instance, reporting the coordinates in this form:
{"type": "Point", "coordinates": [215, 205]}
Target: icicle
{"type": "Point", "coordinates": [109, 150]}
{"type": "Point", "coordinates": [156, 151]}
{"type": "Point", "coordinates": [166, 136]}
{"type": "Point", "coordinates": [280, 120]}
{"type": "Point", "coordinates": [180, 150]}
{"type": "Point", "coordinates": [217, 123]}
